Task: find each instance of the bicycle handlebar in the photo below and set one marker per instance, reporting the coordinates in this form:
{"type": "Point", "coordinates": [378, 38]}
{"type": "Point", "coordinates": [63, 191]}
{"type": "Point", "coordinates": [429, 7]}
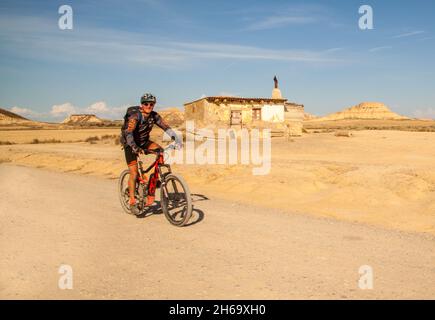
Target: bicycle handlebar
{"type": "Point", "coordinates": [158, 151]}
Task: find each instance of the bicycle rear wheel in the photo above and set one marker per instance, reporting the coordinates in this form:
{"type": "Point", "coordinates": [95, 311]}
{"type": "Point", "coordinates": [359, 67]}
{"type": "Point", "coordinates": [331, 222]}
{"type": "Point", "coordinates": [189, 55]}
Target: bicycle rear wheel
{"type": "Point", "coordinates": [176, 200]}
{"type": "Point", "coordinates": [123, 192]}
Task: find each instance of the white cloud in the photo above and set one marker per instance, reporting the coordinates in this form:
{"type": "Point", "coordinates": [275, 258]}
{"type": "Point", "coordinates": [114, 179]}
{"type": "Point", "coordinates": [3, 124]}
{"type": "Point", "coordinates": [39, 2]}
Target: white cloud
{"type": "Point", "coordinates": [98, 107]}
{"type": "Point", "coordinates": [380, 48]}
{"type": "Point", "coordinates": [333, 50]}
{"type": "Point", "coordinates": [408, 34]}
{"type": "Point", "coordinates": [86, 45]}
{"type": "Point", "coordinates": [22, 111]}
{"type": "Point", "coordinates": [101, 110]}
{"type": "Point", "coordinates": [426, 38]}
{"type": "Point", "coordinates": [231, 51]}
{"type": "Point", "coordinates": [62, 110]}
{"type": "Point", "coordinates": [278, 22]}
{"type": "Point", "coordinates": [428, 113]}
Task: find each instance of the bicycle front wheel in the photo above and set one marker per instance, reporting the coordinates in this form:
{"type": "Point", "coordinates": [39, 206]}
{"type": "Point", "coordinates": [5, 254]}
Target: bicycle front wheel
{"type": "Point", "coordinates": [176, 200]}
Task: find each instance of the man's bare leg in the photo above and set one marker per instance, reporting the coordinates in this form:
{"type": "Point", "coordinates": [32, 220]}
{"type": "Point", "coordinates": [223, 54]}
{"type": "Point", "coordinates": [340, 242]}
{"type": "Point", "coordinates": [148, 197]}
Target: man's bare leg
{"type": "Point", "coordinates": [132, 180]}
{"type": "Point", "coordinates": [153, 180]}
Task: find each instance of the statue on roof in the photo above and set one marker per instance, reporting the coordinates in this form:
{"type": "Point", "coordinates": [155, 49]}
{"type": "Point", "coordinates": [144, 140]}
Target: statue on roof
{"type": "Point", "coordinates": [276, 93]}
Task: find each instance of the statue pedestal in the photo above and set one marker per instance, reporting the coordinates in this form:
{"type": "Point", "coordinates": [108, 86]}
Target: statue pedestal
{"type": "Point", "coordinates": [276, 94]}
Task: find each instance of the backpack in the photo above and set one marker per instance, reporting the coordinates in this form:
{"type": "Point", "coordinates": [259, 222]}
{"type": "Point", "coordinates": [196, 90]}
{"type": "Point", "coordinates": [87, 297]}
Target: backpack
{"type": "Point", "coordinates": [130, 111]}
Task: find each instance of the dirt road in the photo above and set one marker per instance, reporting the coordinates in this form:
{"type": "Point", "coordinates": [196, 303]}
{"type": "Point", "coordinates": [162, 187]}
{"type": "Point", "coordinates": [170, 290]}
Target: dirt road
{"type": "Point", "coordinates": [230, 251]}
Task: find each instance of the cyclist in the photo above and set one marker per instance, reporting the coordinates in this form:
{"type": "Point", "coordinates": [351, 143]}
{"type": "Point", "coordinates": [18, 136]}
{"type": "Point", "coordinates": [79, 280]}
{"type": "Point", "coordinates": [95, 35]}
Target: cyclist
{"type": "Point", "coordinates": [138, 123]}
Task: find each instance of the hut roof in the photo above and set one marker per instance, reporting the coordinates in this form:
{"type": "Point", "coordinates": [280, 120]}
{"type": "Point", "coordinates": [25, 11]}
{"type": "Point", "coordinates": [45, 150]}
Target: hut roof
{"type": "Point", "coordinates": [221, 99]}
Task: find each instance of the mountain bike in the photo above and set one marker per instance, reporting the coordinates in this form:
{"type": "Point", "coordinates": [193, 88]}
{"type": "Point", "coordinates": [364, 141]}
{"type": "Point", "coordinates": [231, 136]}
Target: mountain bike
{"type": "Point", "coordinates": [175, 197]}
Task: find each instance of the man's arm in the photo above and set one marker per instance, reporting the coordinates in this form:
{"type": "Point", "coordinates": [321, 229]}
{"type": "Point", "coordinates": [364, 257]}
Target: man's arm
{"type": "Point", "coordinates": [129, 137]}
{"type": "Point", "coordinates": [168, 130]}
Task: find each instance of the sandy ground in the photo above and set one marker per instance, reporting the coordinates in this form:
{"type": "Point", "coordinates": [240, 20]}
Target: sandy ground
{"type": "Point", "coordinates": [382, 178]}
{"type": "Point", "coordinates": [27, 136]}
{"type": "Point", "coordinates": [230, 250]}
{"type": "Point", "coordinates": [404, 125]}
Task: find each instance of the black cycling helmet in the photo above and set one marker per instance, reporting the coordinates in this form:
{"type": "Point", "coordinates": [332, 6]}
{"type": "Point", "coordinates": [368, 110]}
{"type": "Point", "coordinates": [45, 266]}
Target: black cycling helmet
{"type": "Point", "coordinates": [148, 97]}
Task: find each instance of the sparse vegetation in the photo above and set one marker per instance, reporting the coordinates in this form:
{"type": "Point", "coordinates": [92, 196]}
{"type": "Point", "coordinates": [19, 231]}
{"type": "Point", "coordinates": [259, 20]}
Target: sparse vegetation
{"type": "Point", "coordinates": [52, 140]}
{"type": "Point", "coordinates": [65, 135]}
{"type": "Point", "coordinates": [355, 125]}
{"type": "Point", "coordinates": [107, 138]}
{"type": "Point", "coordinates": [343, 134]}
{"type": "Point", "coordinates": [6, 143]}
{"type": "Point", "coordinates": [92, 140]}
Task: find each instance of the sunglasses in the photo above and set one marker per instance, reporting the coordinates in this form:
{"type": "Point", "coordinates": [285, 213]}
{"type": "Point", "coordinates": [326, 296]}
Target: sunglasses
{"type": "Point", "coordinates": [151, 104]}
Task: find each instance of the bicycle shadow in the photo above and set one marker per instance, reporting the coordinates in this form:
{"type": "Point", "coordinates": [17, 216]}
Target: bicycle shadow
{"type": "Point", "coordinates": [197, 214]}
{"type": "Point", "coordinates": [199, 197]}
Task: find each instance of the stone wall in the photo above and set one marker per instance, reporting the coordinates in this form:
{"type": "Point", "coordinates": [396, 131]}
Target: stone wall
{"type": "Point", "coordinates": [195, 110]}
{"type": "Point", "coordinates": [209, 113]}
{"type": "Point", "coordinates": [294, 115]}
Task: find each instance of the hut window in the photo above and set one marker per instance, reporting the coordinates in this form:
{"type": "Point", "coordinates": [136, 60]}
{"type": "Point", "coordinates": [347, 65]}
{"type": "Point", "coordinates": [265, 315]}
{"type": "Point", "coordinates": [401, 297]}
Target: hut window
{"type": "Point", "coordinates": [256, 114]}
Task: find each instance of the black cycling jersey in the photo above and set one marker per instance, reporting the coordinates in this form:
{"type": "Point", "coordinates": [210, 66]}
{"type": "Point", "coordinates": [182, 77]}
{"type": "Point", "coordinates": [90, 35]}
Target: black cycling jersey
{"type": "Point", "coordinates": [139, 126]}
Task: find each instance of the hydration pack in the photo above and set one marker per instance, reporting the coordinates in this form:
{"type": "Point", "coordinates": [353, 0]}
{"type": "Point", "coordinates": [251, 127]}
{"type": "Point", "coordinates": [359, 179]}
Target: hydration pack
{"type": "Point", "coordinates": [130, 111]}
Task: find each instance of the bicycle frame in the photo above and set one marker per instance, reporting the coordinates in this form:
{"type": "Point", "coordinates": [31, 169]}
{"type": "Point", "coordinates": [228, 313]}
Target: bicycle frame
{"type": "Point", "coordinates": [157, 165]}
{"type": "Point", "coordinates": [175, 196]}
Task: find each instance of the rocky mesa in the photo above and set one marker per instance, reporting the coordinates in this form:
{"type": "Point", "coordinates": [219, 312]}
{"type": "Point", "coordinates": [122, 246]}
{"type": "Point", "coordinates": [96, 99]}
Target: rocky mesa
{"type": "Point", "coordinates": [8, 117]}
{"type": "Point", "coordinates": [364, 111]}
{"type": "Point", "coordinates": [82, 119]}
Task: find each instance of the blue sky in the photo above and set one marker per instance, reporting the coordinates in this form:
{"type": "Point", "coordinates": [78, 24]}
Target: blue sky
{"type": "Point", "coordinates": [181, 50]}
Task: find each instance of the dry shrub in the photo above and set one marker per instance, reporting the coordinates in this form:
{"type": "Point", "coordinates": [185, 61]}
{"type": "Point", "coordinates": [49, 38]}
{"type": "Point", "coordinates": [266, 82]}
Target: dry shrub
{"type": "Point", "coordinates": [6, 143]}
{"type": "Point", "coordinates": [92, 140]}
{"type": "Point", "coordinates": [109, 136]}
{"type": "Point", "coordinates": [343, 134]}
{"type": "Point", "coordinates": [37, 141]}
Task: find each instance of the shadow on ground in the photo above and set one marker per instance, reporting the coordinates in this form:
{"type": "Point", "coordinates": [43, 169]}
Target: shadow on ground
{"type": "Point", "coordinates": [197, 214]}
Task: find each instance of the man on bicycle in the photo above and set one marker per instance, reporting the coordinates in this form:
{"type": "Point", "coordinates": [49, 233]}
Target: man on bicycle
{"type": "Point", "coordinates": [135, 134]}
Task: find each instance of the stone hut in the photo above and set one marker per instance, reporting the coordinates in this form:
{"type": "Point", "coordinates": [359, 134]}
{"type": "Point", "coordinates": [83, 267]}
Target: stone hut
{"type": "Point", "coordinates": [223, 111]}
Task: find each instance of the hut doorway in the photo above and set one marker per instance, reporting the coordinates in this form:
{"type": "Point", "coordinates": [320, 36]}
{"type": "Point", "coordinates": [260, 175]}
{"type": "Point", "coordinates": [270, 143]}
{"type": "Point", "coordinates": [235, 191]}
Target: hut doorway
{"type": "Point", "coordinates": [236, 117]}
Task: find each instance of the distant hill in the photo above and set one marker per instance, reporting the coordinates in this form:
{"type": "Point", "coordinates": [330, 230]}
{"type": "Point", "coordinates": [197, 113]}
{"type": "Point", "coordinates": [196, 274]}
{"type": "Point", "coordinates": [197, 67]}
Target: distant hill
{"type": "Point", "coordinates": [309, 116]}
{"type": "Point", "coordinates": [82, 119]}
{"type": "Point", "coordinates": [8, 117]}
{"type": "Point", "coordinates": [173, 116]}
{"type": "Point", "coordinates": [364, 111]}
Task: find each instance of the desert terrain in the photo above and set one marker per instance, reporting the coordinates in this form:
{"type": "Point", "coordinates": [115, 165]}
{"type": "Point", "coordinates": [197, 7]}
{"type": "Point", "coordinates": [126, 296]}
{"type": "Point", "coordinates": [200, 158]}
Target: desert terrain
{"type": "Point", "coordinates": [344, 194]}
{"type": "Point", "coordinates": [380, 177]}
{"type": "Point", "coordinates": [230, 250]}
